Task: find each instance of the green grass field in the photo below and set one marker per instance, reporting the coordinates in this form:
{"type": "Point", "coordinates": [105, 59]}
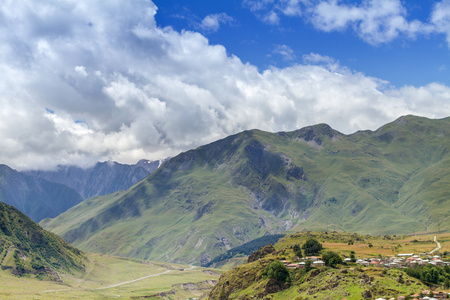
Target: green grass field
{"type": "Point", "coordinates": [108, 277]}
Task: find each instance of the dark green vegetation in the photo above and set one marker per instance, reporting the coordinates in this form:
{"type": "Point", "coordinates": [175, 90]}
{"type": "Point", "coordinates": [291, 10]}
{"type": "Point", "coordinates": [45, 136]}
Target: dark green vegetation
{"type": "Point", "coordinates": [245, 249]}
{"type": "Point", "coordinates": [276, 270]}
{"type": "Point", "coordinates": [206, 201]}
{"type": "Point", "coordinates": [36, 197]}
{"type": "Point", "coordinates": [312, 247]}
{"type": "Point", "coordinates": [268, 278]}
{"type": "Point", "coordinates": [26, 248]}
{"type": "Point", "coordinates": [430, 273]}
{"type": "Point", "coordinates": [331, 259]}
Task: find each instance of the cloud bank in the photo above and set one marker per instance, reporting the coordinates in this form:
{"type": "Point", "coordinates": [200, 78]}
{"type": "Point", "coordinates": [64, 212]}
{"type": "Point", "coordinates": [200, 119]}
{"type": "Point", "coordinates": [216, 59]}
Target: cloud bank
{"type": "Point", "coordinates": [374, 21]}
{"type": "Point", "coordinates": [83, 81]}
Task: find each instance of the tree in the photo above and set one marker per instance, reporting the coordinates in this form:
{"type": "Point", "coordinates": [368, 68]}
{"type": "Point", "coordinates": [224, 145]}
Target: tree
{"type": "Point", "coordinates": [276, 270]}
{"type": "Point", "coordinates": [312, 247]}
{"type": "Point", "coordinates": [298, 251]}
{"type": "Point", "coordinates": [447, 283]}
{"type": "Point", "coordinates": [331, 258]}
{"type": "Point", "coordinates": [308, 265]}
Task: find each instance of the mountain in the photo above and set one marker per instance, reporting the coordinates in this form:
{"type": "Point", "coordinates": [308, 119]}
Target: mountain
{"type": "Point", "coordinates": [101, 179]}
{"type": "Point", "coordinates": [26, 248]}
{"type": "Point", "coordinates": [206, 201]}
{"type": "Point", "coordinates": [36, 197]}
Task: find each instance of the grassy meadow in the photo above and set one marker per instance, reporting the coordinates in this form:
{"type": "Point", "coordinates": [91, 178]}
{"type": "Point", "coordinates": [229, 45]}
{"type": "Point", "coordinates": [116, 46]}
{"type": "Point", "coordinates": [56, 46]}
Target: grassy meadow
{"type": "Point", "coordinates": [360, 244]}
{"type": "Point", "coordinates": [109, 277]}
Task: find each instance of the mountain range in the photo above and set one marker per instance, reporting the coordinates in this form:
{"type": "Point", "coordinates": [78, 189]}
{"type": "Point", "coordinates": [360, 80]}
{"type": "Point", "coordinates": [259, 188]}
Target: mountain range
{"type": "Point", "coordinates": [46, 194]}
{"type": "Point", "coordinates": [207, 200]}
{"type": "Point", "coordinates": [101, 179]}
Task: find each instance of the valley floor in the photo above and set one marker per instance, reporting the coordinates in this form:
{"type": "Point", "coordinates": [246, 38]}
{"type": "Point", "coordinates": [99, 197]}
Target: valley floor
{"type": "Point", "coordinates": [109, 277]}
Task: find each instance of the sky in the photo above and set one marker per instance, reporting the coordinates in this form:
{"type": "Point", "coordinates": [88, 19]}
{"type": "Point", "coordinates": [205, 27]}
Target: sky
{"type": "Point", "coordinates": [83, 81]}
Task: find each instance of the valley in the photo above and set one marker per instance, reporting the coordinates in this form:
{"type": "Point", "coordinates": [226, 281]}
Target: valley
{"type": "Point", "coordinates": [109, 277]}
{"type": "Point", "coordinates": [369, 195]}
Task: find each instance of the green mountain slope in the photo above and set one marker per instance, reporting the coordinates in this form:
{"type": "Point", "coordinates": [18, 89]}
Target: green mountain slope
{"type": "Point", "coordinates": [26, 248]}
{"type": "Point", "coordinates": [206, 201]}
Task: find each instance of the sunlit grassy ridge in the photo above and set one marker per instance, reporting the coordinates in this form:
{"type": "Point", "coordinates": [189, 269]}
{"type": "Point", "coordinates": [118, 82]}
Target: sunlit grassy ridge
{"type": "Point", "coordinates": [25, 248]}
{"type": "Point", "coordinates": [345, 281]}
{"type": "Point", "coordinates": [205, 201]}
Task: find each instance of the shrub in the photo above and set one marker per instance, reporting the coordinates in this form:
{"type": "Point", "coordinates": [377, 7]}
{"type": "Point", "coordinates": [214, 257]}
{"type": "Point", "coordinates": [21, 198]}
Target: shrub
{"type": "Point", "coordinates": [276, 270]}
{"type": "Point", "coordinates": [331, 258]}
{"type": "Point", "coordinates": [312, 247]}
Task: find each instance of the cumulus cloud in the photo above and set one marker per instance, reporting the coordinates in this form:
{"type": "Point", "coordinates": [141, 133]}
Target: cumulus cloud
{"type": "Point", "coordinates": [374, 21]}
{"type": "Point", "coordinates": [440, 18]}
{"type": "Point", "coordinates": [83, 81]}
{"type": "Point", "coordinates": [212, 22]}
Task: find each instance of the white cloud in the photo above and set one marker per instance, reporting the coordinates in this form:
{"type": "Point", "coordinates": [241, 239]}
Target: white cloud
{"type": "Point", "coordinates": [440, 18]}
{"type": "Point", "coordinates": [285, 51]}
{"type": "Point", "coordinates": [81, 70]}
{"type": "Point", "coordinates": [374, 21]}
{"type": "Point", "coordinates": [151, 92]}
{"type": "Point", "coordinates": [212, 22]}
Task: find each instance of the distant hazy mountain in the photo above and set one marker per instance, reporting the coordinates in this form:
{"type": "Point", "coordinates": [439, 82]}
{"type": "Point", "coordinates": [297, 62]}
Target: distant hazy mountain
{"type": "Point", "coordinates": [101, 179]}
{"type": "Point", "coordinates": [36, 197]}
{"type": "Point", "coordinates": [26, 248]}
{"type": "Point", "coordinates": [205, 201]}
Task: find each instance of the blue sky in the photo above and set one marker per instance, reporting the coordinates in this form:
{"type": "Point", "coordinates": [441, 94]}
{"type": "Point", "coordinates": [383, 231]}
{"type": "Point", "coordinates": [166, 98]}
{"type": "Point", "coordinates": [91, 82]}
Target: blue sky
{"type": "Point", "coordinates": [401, 61]}
{"type": "Point", "coordinates": [90, 80]}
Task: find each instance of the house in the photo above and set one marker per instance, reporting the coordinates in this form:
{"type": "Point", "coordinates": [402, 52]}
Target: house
{"type": "Point", "coordinates": [302, 265]}
{"type": "Point", "coordinates": [292, 266]}
{"type": "Point", "coordinates": [405, 254]}
{"type": "Point", "coordinates": [393, 265]}
{"type": "Point", "coordinates": [440, 295]}
{"type": "Point", "coordinates": [362, 262]}
{"type": "Point", "coordinates": [313, 258]}
{"type": "Point", "coordinates": [348, 260]}
{"type": "Point", "coordinates": [318, 263]}
{"type": "Point", "coordinates": [438, 262]}
{"type": "Point", "coordinates": [286, 262]}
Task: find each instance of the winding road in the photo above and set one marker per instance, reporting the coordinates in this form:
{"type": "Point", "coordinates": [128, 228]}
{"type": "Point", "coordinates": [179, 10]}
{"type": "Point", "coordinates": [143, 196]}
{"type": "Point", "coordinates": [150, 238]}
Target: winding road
{"type": "Point", "coordinates": [438, 245]}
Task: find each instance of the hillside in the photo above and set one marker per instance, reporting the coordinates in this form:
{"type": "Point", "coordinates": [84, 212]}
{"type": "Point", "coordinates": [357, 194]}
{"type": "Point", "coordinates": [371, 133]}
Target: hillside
{"type": "Point", "coordinates": [25, 248]}
{"type": "Point", "coordinates": [206, 201]}
{"type": "Point", "coordinates": [349, 280]}
{"type": "Point", "coordinates": [36, 197]}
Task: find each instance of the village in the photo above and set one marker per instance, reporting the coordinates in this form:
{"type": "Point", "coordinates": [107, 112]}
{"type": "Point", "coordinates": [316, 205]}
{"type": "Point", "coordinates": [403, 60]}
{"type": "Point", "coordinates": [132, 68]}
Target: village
{"type": "Point", "coordinates": [400, 261]}
{"type": "Point", "coordinates": [405, 260]}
